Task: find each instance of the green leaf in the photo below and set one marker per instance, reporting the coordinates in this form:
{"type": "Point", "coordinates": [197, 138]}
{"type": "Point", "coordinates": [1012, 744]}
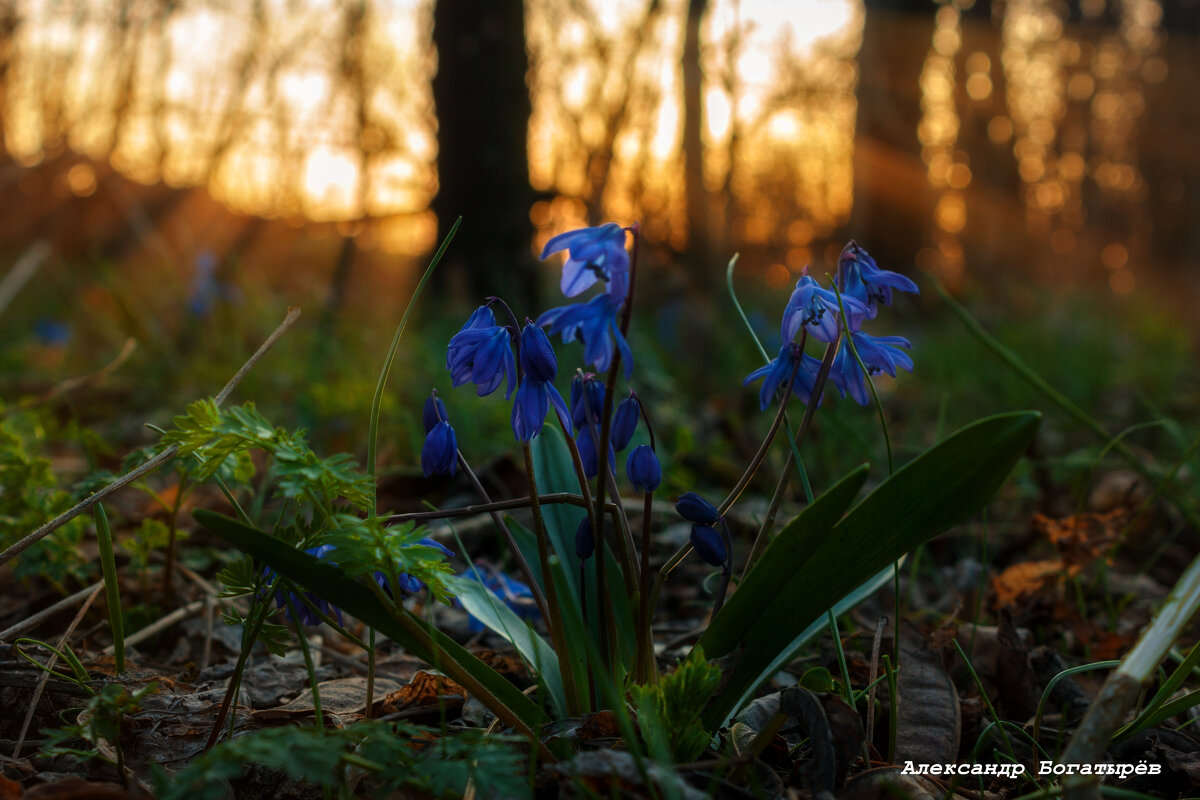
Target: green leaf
{"type": "Point", "coordinates": [492, 612]}
{"type": "Point", "coordinates": [423, 640]}
{"type": "Point", "coordinates": [938, 489]}
{"type": "Point", "coordinates": [554, 470]}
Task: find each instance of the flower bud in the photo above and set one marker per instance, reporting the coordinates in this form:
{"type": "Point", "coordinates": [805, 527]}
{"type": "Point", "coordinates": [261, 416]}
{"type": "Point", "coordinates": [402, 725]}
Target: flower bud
{"type": "Point", "coordinates": [433, 413]}
{"type": "Point", "coordinates": [695, 508]}
{"type": "Point", "coordinates": [643, 469]}
{"type": "Point", "coordinates": [709, 545]}
{"type": "Point", "coordinates": [625, 421]}
{"type": "Point", "coordinates": [585, 540]}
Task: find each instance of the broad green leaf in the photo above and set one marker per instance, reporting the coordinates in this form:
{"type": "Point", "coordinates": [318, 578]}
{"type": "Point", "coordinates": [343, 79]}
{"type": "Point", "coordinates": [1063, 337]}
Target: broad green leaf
{"type": "Point", "coordinates": [423, 640]}
{"type": "Point", "coordinates": [492, 612]}
{"type": "Point", "coordinates": [940, 488]}
{"type": "Point", "coordinates": [774, 571]}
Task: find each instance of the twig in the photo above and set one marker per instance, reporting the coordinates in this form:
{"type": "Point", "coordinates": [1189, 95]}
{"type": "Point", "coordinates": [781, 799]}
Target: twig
{"type": "Point", "coordinates": [71, 384]}
{"type": "Point", "coordinates": [35, 620]}
{"type": "Point", "coordinates": [149, 466]}
{"type": "Point", "coordinates": [162, 624]}
{"type": "Point", "coordinates": [37, 692]}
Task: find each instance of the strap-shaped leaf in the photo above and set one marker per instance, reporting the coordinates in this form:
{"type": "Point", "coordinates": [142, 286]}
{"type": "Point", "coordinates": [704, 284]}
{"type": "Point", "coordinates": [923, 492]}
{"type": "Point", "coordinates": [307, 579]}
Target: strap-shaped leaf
{"type": "Point", "coordinates": [492, 612]}
{"type": "Point", "coordinates": [419, 637]}
{"type": "Point", "coordinates": [554, 470]}
{"type": "Point", "coordinates": [939, 488]}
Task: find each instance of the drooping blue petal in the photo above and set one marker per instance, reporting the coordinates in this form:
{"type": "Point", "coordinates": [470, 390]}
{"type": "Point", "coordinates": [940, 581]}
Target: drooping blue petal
{"type": "Point", "coordinates": [865, 281]}
{"type": "Point", "coordinates": [695, 508]}
{"type": "Point", "coordinates": [529, 409]}
{"type": "Point", "coordinates": [709, 545]}
{"type": "Point", "coordinates": [537, 355]}
{"type": "Point", "coordinates": [439, 456]}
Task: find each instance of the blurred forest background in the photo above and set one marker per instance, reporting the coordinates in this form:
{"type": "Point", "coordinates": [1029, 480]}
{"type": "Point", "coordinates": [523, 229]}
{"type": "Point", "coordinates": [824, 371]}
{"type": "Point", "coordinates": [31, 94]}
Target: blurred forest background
{"type": "Point", "coordinates": [178, 171]}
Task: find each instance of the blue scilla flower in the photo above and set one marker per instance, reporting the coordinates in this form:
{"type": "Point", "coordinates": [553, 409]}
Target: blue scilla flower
{"type": "Point", "coordinates": [863, 280]}
{"type": "Point", "coordinates": [307, 615]}
{"type": "Point", "coordinates": [816, 310]}
{"type": "Point", "coordinates": [595, 324]}
{"type": "Point", "coordinates": [593, 254]}
{"type": "Point", "coordinates": [51, 332]}
{"type": "Point", "coordinates": [408, 583]}
{"type": "Point", "coordinates": [536, 392]}
{"type": "Point", "coordinates": [791, 359]}
{"type": "Point", "coordinates": [434, 412]}
{"type": "Point", "coordinates": [585, 442]}
{"type": "Point", "coordinates": [624, 422]}
{"type": "Point", "coordinates": [510, 591]}
{"type": "Point", "coordinates": [643, 469]}
{"type": "Point", "coordinates": [439, 456]}
{"type": "Point", "coordinates": [695, 508]}
{"type": "Point", "coordinates": [709, 545]}
{"type": "Point", "coordinates": [878, 353]}
{"type": "Point", "coordinates": [481, 352]}
{"type": "Point", "coordinates": [587, 395]}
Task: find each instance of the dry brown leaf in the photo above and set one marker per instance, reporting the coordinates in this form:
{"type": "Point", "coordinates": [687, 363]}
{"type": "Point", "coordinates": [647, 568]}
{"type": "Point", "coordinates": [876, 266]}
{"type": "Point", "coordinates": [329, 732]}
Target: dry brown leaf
{"type": "Point", "coordinates": [1022, 581]}
{"type": "Point", "coordinates": [1082, 538]}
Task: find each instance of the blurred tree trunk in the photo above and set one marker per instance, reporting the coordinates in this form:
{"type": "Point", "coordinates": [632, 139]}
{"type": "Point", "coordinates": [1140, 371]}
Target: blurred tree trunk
{"type": "Point", "coordinates": [483, 109]}
{"type": "Point", "coordinates": [695, 194]}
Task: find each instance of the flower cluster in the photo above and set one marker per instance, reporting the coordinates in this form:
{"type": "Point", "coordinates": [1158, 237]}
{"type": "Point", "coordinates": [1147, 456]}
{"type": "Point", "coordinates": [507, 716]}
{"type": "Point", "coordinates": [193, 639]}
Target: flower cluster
{"type": "Point", "coordinates": [825, 315]}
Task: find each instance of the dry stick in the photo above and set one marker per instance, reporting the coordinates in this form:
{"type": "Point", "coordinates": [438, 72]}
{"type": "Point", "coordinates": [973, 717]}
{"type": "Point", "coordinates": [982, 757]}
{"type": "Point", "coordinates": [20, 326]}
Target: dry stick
{"type": "Point", "coordinates": [177, 615]}
{"type": "Point", "coordinates": [37, 692]}
{"type": "Point", "coordinates": [871, 692]}
{"type": "Point", "coordinates": [35, 620]}
{"type": "Point", "coordinates": [497, 505]}
{"type": "Point", "coordinates": [149, 466]}
{"type": "Point", "coordinates": [71, 384]}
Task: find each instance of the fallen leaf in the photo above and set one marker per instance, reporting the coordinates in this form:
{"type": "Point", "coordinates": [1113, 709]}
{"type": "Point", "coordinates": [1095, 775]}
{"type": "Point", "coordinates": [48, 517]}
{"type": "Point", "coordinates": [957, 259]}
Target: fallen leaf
{"type": "Point", "coordinates": [929, 721]}
{"type": "Point", "coordinates": [1081, 538]}
{"type": "Point", "coordinates": [1020, 582]}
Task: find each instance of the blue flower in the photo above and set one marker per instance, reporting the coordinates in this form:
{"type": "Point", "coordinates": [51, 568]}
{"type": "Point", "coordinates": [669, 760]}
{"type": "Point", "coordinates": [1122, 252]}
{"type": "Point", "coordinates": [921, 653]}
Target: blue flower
{"type": "Point", "coordinates": [643, 469]}
{"type": "Point", "coordinates": [407, 582]}
{"type": "Point", "coordinates": [585, 540]}
{"type": "Point", "coordinates": [510, 591]}
{"type": "Point", "coordinates": [434, 412]}
{"type": "Point", "coordinates": [624, 422]}
{"type": "Point", "coordinates": [878, 353]}
{"type": "Point", "coordinates": [481, 352]}
{"type": "Point", "coordinates": [439, 456]}
{"type": "Point", "coordinates": [709, 545]}
{"type": "Point", "coordinates": [593, 254]}
{"type": "Point", "coordinates": [585, 442]}
{"type": "Point", "coordinates": [816, 309]}
{"type": "Point", "coordinates": [586, 395]}
{"type": "Point", "coordinates": [307, 615]}
{"type": "Point", "coordinates": [595, 324]}
{"type": "Point", "coordinates": [51, 332]}
{"type": "Point", "coordinates": [866, 282]}
{"type": "Point", "coordinates": [777, 373]}
{"type": "Point", "coordinates": [536, 391]}
{"type": "Point", "coordinates": [695, 508]}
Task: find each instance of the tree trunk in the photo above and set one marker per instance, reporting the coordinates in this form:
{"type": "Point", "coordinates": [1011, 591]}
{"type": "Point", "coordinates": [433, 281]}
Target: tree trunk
{"type": "Point", "coordinates": [483, 109]}
{"type": "Point", "coordinates": [696, 196]}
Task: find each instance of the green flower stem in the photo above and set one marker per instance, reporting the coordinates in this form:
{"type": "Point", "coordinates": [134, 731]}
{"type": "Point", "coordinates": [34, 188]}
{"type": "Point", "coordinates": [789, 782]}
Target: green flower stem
{"type": "Point", "coordinates": [377, 400]}
{"type": "Point", "coordinates": [768, 440]}
{"type": "Point", "coordinates": [554, 621]}
{"type": "Point", "coordinates": [647, 671]}
{"type": "Point", "coordinates": [298, 626]}
{"type": "Point", "coordinates": [841, 656]}
{"type": "Point", "coordinates": [370, 673]}
{"type": "Point", "coordinates": [764, 532]}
